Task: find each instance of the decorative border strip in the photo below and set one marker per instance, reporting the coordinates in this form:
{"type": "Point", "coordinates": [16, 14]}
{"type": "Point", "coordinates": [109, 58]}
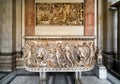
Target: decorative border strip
{"type": "Point", "coordinates": [66, 37]}
{"type": "Point", "coordinates": [58, 1]}
{"type": "Point", "coordinates": [80, 69]}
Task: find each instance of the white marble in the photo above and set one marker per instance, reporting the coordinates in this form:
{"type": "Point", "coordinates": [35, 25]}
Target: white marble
{"type": "Point", "coordinates": [58, 79]}
{"type": "Point", "coordinates": [93, 80]}
{"type": "Point", "coordinates": [59, 30]}
{"type": "Point", "coordinates": [26, 80]}
{"type": "Point", "coordinates": [2, 75]}
{"type": "Point", "coordinates": [100, 71]}
{"type": "Point", "coordinates": [113, 79]}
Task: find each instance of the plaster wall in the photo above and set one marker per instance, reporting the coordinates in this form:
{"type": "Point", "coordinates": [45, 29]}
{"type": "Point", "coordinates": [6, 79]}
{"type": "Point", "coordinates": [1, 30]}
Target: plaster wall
{"type": "Point", "coordinates": [59, 30]}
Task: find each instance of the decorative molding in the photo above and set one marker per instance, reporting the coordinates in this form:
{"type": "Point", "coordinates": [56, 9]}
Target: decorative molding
{"type": "Point", "coordinates": [59, 1]}
{"type": "Point", "coordinates": [61, 37]}
{"type": "Point", "coordinates": [80, 69]}
{"type": "Point", "coordinates": [10, 53]}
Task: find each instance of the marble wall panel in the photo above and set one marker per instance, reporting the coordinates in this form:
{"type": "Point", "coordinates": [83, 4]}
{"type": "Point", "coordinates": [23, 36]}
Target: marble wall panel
{"type": "Point", "coordinates": [8, 34]}
{"type": "Point", "coordinates": [29, 17]}
{"type": "Point", "coordinates": [7, 26]}
{"type": "Point", "coordinates": [7, 62]}
{"type": "Point", "coordinates": [89, 17]}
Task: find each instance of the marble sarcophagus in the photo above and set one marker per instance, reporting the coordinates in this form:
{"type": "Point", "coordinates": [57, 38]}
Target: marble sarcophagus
{"type": "Point", "coordinates": [59, 53]}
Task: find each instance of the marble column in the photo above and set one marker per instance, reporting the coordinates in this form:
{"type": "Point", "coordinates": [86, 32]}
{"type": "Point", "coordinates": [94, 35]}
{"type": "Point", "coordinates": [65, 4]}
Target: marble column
{"type": "Point", "coordinates": [114, 35]}
{"type": "Point", "coordinates": [18, 25]}
{"type": "Point", "coordinates": [100, 25]}
{"type": "Point", "coordinates": [8, 35]}
{"type": "Point", "coordinates": [109, 27]}
{"type": "Point", "coordinates": [114, 29]}
{"type": "Point", "coordinates": [119, 35]}
{"type": "Point", "coordinates": [117, 5]}
{"type": "Point", "coordinates": [19, 37]}
{"type": "Point", "coordinates": [0, 25]}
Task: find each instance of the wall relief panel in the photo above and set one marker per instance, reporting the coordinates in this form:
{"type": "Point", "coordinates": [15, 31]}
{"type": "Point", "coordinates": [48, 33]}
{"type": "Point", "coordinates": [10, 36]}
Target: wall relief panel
{"type": "Point", "coordinates": [59, 14]}
{"type": "Point", "coordinates": [76, 13]}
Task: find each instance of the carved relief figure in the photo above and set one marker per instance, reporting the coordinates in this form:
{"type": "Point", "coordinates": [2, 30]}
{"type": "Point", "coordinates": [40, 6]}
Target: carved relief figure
{"type": "Point", "coordinates": [83, 53]}
{"type": "Point", "coordinates": [41, 55]}
{"type": "Point", "coordinates": [60, 56]}
{"type": "Point", "coordinates": [59, 14]}
{"type": "Point", "coordinates": [30, 54]}
{"type": "Point", "coordinates": [53, 54]}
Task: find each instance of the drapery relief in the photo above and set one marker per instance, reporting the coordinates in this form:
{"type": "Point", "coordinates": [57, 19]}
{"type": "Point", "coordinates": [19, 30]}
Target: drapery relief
{"type": "Point", "coordinates": [59, 54]}
{"type": "Point", "coordinates": [59, 14]}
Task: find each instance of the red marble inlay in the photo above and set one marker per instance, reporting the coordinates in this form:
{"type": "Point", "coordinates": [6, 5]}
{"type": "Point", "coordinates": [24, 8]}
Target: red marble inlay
{"type": "Point", "coordinates": [29, 17]}
{"type": "Point", "coordinates": [89, 17]}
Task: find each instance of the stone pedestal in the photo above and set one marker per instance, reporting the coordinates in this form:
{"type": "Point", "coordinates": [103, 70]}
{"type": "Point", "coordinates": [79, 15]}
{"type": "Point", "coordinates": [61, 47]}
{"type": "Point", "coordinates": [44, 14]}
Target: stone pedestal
{"type": "Point", "coordinates": [100, 71]}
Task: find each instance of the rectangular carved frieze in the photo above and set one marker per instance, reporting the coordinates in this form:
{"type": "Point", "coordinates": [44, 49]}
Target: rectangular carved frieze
{"type": "Point", "coordinates": [58, 54]}
{"type": "Point", "coordinates": [59, 14]}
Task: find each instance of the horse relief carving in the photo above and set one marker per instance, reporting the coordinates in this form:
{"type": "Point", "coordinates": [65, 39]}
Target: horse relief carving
{"type": "Point", "coordinates": [59, 54]}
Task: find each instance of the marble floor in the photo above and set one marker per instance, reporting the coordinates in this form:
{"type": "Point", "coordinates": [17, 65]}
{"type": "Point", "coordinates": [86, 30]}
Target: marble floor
{"type": "Point", "coordinates": [3, 74]}
{"type": "Point", "coordinates": [25, 77]}
{"type": "Point", "coordinates": [57, 80]}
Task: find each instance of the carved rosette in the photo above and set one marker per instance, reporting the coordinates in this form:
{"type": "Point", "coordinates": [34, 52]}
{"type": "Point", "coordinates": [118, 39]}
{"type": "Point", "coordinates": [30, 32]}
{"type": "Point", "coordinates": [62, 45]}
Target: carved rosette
{"type": "Point", "coordinates": [66, 54]}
